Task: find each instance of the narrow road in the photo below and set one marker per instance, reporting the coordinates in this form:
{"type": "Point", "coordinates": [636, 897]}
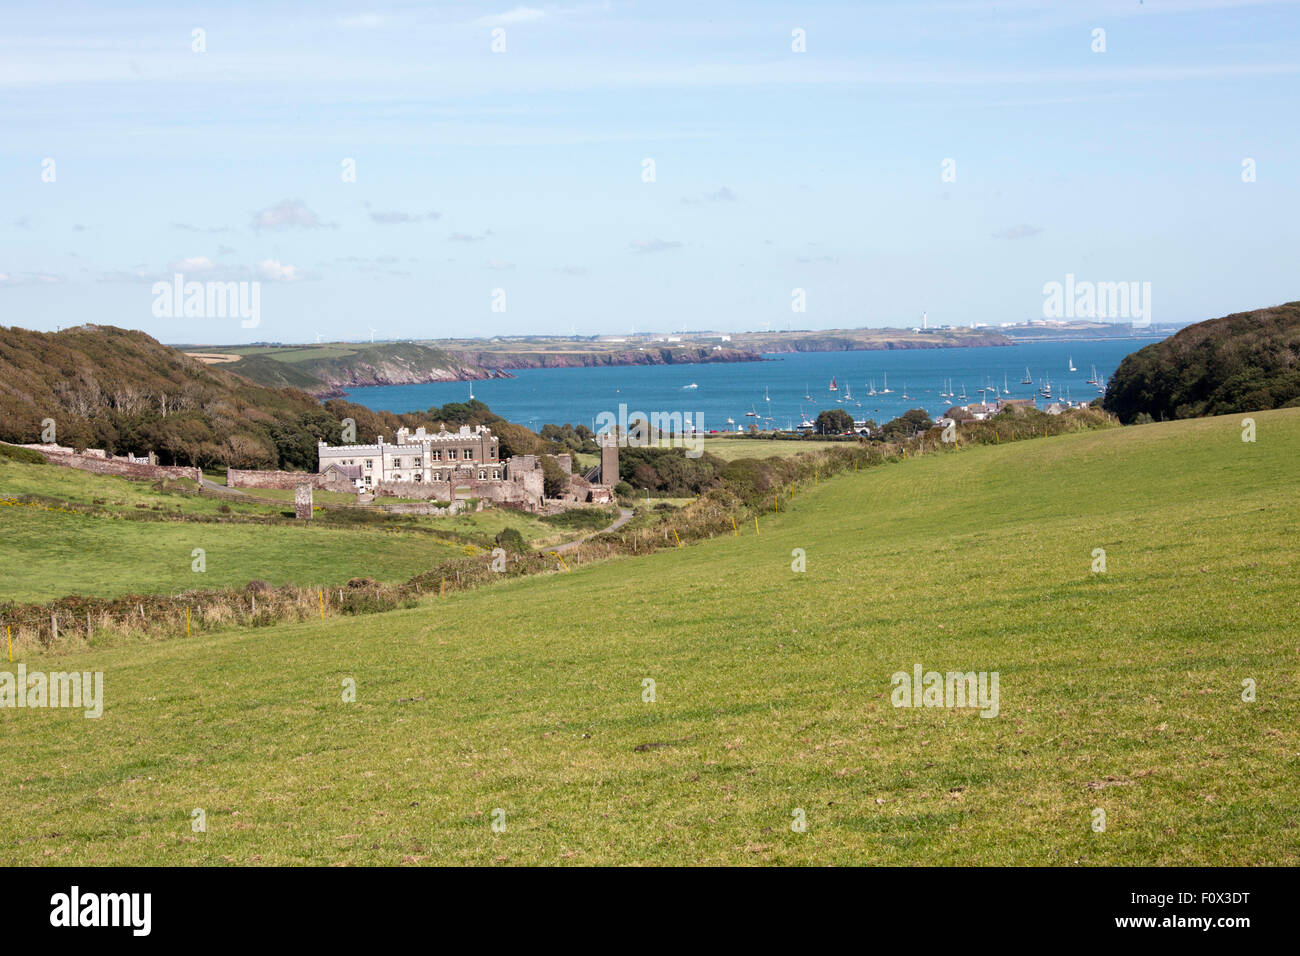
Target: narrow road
{"type": "Point", "coordinates": [624, 516]}
{"type": "Point", "coordinates": [213, 486]}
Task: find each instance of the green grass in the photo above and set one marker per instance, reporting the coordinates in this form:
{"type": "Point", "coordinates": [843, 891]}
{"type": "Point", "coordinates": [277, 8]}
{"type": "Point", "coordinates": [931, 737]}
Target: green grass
{"type": "Point", "coordinates": [86, 546]}
{"type": "Point", "coordinates": [1119, 691]}
{"type": "Point", "coordinates": [46, 555]}
{"type": "Point", "coordinates": [319, 496]}
{"type": "Point", "coordinates": [730, 449]}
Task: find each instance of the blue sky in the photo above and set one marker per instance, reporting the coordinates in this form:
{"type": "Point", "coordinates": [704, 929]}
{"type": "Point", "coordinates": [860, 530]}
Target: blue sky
{"type": "Point", "coordinates": [522, 170]}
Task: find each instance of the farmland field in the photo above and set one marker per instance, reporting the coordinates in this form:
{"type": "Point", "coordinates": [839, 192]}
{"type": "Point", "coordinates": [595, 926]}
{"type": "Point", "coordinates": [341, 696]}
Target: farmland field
{"type": "Point", "coordinates": [78, 533]}
{"type": "Point", "coordinates": [732, 448]}
{"type": "Point", "coordinates": [527, 702]}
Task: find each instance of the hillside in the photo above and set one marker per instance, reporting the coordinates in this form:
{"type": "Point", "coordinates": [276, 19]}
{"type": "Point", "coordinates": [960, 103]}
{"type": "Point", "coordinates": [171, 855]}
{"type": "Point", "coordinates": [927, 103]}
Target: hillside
{"type": "Point", "coordinates": [122, 391]}
{"type": "Point", "coordinates": [58, 524]}
{"type": "Point", "coordinates": [1119, 691]}
{"type": "Point", "coordinates": [1239, 363]}
{"type": "Point", "coordinates": [326, 369]}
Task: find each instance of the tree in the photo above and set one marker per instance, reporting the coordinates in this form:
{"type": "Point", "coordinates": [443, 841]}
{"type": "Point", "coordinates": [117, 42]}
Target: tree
{"type": "Point", "coordinates": [511, 540]}
{"type": "Point", "coordinates": [906, 425]}
{"type": "Point", "coordinates": [834, 421]}
{"type": "Point", "coordinates": [554, 481]}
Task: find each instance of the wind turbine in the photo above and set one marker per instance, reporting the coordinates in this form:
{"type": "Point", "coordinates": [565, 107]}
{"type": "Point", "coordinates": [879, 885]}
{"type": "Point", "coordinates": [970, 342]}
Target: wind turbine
{"type": "Point", "coordinates": [372, 333]}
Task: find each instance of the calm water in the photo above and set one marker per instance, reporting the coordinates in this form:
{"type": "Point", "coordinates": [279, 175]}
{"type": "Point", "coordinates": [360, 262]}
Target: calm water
{"type": "Point", "coordinates": [577, 395]}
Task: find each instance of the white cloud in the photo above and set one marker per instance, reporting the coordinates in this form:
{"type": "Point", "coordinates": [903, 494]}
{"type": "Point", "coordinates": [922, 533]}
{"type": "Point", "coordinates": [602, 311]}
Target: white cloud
{"type": "Point", "coordinates": [192, 264]}
{"type": "Point", "coordinates": [289, 213]}
{"type": "Point", "coordinates": [28, 278]}
{"type": "Point", "coordinates": [273, 270]}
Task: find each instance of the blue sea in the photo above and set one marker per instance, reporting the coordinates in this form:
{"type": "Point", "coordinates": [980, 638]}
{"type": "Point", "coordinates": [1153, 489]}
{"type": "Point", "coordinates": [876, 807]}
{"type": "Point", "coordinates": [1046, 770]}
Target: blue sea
{"type": "Point", "coordinates": [781, 390]}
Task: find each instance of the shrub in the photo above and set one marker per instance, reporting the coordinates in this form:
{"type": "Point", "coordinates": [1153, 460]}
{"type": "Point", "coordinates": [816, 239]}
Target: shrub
{"type": "Point", "coordinates": [27, 456]}
{"type": "Point", "coordinates": [511, 540]}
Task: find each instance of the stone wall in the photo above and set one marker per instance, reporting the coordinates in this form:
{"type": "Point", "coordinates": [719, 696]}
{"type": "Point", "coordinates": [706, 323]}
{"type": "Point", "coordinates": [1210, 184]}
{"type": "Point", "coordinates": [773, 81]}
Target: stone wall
{"type": "Point", "coordinates": [116, 466]}
{"type": "Point", "coordinates": [240, 478]}
{"type": "Point", "coordinates": [424, 490]}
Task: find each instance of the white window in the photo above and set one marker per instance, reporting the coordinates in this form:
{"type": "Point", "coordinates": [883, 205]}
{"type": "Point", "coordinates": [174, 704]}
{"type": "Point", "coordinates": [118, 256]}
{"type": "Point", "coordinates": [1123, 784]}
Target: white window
{"type": "Point", "coordinates": [467, 454]}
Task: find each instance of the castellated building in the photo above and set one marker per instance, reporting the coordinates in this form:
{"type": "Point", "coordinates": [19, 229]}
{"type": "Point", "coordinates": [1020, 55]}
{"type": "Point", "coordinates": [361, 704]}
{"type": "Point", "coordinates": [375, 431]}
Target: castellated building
{"type": "Point", "coordinates": [448, 465]}
{"type": "Point", "coordinates": [419, 456]}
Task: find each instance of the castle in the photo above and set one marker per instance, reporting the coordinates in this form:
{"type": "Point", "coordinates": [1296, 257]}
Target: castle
{"type": "Point", "coordinates": [466, 463]}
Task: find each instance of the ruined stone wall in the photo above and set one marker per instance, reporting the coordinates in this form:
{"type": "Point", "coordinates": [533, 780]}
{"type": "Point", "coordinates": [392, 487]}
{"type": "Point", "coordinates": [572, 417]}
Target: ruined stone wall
{"type": "Point", "coordinates": [117, 466]}
{"type": "Point", "coordinates": [436, 490]}
{"type": "Point", "coordinates": [240, 478]}
{"type": "Point", "coordinates": [521, 491]}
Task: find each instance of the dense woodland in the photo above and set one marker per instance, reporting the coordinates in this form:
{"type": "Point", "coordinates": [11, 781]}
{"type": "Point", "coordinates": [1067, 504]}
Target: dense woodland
{"type": "Point", "coordinates": [1245, 362]}
{"type": "Point", "coordinates": [122, 391]}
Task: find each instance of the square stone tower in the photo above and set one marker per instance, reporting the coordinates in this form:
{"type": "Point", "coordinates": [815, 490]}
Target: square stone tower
{"type": "Point", "coordinates": [609, 461]}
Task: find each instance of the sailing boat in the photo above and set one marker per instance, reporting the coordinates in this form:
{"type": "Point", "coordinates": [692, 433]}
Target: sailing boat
{"type": "Point", "coordinates": [1093, 380]}
{"type": "Point", "coordinates": [806, 396]}
{"type": "Point", "coordinates": [751, 413]}
{"type": "Point", "coordinates": [1005, 390]}
{"type": "Point", "coordinates": [1046, 390]}
{"type": "Point", "coordinates": [1028, 379]}
{"type": "Point", "coordinates": [947, 389]}
{"type": "Point", "coordinates": [962, 396]}
{"type": "Point", "coordinates": [833, 386]}
{"type": "Point", "coordinates": [906, 397]}
{"type": "Point", "coordinates": [1071, 363]}
{"type": "Point", "coordinates": [471, 391]}
{"type": "Point", "coordinates": [873, 387]}
{"type": "Point", "coordinates": [886, 390]}
{"type": "Point", "coordinates": [848, 393]}
{"type": "Point", "coordinates": [766, 397]}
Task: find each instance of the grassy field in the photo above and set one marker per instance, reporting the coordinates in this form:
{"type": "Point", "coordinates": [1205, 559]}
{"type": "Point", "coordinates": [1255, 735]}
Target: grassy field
{"type": "Point", "coordinates": [1119, 691]}
{"type": "Point", "coordinates": [49, 554]}
{"type": "Point", "coordinates": [78, 539]}
{"type": "Point", "coordinates": [732, 448]}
